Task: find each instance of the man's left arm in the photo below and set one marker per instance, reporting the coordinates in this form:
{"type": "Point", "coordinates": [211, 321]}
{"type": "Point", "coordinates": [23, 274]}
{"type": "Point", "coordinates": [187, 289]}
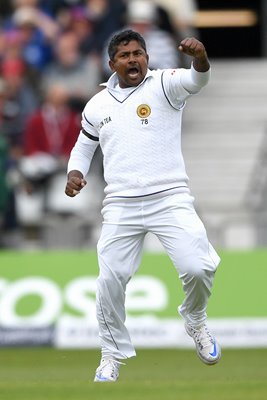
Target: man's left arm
{"type": "Point", "coordinates": [198, 76]}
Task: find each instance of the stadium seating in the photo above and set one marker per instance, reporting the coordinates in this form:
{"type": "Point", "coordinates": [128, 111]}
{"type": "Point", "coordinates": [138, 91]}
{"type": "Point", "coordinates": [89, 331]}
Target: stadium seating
{"type": "Point", "coordinates": [225, 127]}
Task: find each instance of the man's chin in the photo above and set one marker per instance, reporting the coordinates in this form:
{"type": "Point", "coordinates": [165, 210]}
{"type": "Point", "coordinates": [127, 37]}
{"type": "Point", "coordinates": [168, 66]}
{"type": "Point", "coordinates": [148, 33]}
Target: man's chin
{"type": "Point", "coordinates": [134, 81]}
{"type": "Point", "coordinates": [131, 81]}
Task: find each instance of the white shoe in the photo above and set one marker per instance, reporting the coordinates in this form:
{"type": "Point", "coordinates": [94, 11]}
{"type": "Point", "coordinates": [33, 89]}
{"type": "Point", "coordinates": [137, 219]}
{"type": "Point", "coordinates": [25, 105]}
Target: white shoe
{"type": "Point", "coordinates": [108, 370]}
{"type": "Point", "coordinates": [207, 347]}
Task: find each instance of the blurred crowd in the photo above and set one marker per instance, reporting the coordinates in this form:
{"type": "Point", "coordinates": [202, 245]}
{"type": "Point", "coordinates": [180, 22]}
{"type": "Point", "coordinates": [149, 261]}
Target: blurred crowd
{"type": "Point", "coordinates": [52, 59]}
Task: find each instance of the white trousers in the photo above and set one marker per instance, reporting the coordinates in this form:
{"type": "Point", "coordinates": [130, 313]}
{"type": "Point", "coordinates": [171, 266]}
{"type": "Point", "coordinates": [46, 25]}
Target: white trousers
{"type": "Point", "coordinates": [174, 221]}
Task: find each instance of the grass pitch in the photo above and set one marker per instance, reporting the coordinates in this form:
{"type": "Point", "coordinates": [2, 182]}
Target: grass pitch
{"type": "Point", "coordinates": [49, 374]}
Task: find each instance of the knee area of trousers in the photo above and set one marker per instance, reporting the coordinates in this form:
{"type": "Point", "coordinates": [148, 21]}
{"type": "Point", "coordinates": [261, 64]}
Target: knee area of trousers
{"type": "Point", "coordinates": [110, 281]}
{"type": "Point", "coordinates": [199, 274]}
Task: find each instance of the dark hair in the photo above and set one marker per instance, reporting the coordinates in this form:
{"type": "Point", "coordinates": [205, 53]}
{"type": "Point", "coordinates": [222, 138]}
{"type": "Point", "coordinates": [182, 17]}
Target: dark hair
{"type": "Point", "coordinates": [124, 37]}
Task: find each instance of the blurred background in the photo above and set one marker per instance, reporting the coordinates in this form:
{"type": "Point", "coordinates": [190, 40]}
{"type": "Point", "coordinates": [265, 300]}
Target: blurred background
{"type": "Point", "coordinates": [52, 59]}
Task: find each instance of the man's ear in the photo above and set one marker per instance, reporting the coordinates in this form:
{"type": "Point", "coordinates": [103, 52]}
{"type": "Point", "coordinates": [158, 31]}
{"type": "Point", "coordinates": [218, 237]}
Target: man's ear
{"type": "Point", "coordinates": [147, 57]}
{"type": "Point", "coordinates": [111, 65]}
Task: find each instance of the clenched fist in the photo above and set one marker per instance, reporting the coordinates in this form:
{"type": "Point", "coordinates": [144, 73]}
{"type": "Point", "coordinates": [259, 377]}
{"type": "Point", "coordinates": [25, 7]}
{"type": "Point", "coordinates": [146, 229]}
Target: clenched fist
{"type": "Point", "coordinates": [75, 183]}
{"type": "Point", "coordinates": [196, 49]}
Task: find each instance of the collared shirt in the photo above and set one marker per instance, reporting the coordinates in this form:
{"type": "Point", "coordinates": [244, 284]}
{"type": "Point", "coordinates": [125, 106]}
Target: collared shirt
{"type": "Point", "coordinates": [139, 131]}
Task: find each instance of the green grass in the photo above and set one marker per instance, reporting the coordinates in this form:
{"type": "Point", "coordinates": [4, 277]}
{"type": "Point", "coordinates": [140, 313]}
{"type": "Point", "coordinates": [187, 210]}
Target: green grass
{"type": "Point", "coordinates": [48, 374]}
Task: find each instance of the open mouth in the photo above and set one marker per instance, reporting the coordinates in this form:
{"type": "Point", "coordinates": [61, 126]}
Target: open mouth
{"type": "Point", "coordinates": [133, 72]}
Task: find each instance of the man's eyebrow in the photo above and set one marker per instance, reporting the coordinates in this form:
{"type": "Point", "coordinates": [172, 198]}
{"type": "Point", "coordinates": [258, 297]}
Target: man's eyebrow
{"type": "Point", "coordinates": [128, 51]}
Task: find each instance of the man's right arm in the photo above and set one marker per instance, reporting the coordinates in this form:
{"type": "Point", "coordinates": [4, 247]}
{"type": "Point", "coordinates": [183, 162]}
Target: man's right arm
{"type": "Point", "coordinates": [75, 183]}
{"type": "Point", "coordinates": [79, 164]}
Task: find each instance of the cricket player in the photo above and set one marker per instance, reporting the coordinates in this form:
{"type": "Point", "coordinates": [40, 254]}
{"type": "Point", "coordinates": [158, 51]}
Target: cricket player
{"type": "Point", "coordinates": [136, 119]}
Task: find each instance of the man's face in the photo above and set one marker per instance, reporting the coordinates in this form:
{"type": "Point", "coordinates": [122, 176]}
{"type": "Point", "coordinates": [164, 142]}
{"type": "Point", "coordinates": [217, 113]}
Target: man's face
{"type": "Point", "coordinates": [130, 63]}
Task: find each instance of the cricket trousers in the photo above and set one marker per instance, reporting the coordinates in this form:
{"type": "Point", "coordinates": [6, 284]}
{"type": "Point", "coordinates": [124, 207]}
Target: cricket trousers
{"type": "Point", "coordinates": [174, 221]}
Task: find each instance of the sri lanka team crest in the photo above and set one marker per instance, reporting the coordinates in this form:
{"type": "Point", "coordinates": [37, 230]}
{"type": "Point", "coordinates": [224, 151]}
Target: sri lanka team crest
{"type": "Point", "coordinates": [143, 111]}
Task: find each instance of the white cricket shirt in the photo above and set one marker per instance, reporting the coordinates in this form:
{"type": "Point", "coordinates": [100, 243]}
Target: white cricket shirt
{"type": "Point", "coordinates": [139, 131]}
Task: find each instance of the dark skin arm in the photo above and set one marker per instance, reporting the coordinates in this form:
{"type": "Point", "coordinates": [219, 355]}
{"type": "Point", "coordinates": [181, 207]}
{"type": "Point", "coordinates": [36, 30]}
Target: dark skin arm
{"type": "Point", "coordinates": [75, 183]}
{"type": "Point", "coordinates": [194, 48]}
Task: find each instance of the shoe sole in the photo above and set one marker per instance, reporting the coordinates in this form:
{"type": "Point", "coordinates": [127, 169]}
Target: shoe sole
{"type": "Point", "coordinates": [104, 380]}
{"type": "Point", "coordinates": [99, 379]}
{"type": "Point", "coordinates": [204, 360]}
{"type": "Point", "coordinates": [209, 362]}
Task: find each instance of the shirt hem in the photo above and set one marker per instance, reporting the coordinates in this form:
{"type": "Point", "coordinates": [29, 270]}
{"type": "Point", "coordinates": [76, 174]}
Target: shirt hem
{"type": "Point", "coordinates": [152, 194]}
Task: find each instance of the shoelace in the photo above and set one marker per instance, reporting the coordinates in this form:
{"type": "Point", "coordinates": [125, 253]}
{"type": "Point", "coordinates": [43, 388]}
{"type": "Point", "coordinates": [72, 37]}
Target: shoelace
{"type": "Point", "coordinates": [202, 336]}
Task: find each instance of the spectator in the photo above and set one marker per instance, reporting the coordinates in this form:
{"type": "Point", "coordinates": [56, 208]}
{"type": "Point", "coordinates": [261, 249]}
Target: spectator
{"type": "Point", "coordinates": [20, 101]}
{"type": "Point", "coordinates": [82, 25]}
{"type": "Point", "coordinates": [33, 11]}
{"type": "Point", "coordinates": [12, 49]}
{"type": "Point", "coordinates": [106, 17]}
{"type": "Point", "coordinates": [177, 17]}
{"type": "Point", "coordinates": [182, 14]}
{"type": "Point", "coordinates": [38, 32]}
{"type": "Point", "coordinates": [49, 136]}
{"type": "Point", "coordinates": [10, 44]}
{"type": "Point", "coordinates": [182, 17]}
{"type": "Point", "coordinates": [80, 75]}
